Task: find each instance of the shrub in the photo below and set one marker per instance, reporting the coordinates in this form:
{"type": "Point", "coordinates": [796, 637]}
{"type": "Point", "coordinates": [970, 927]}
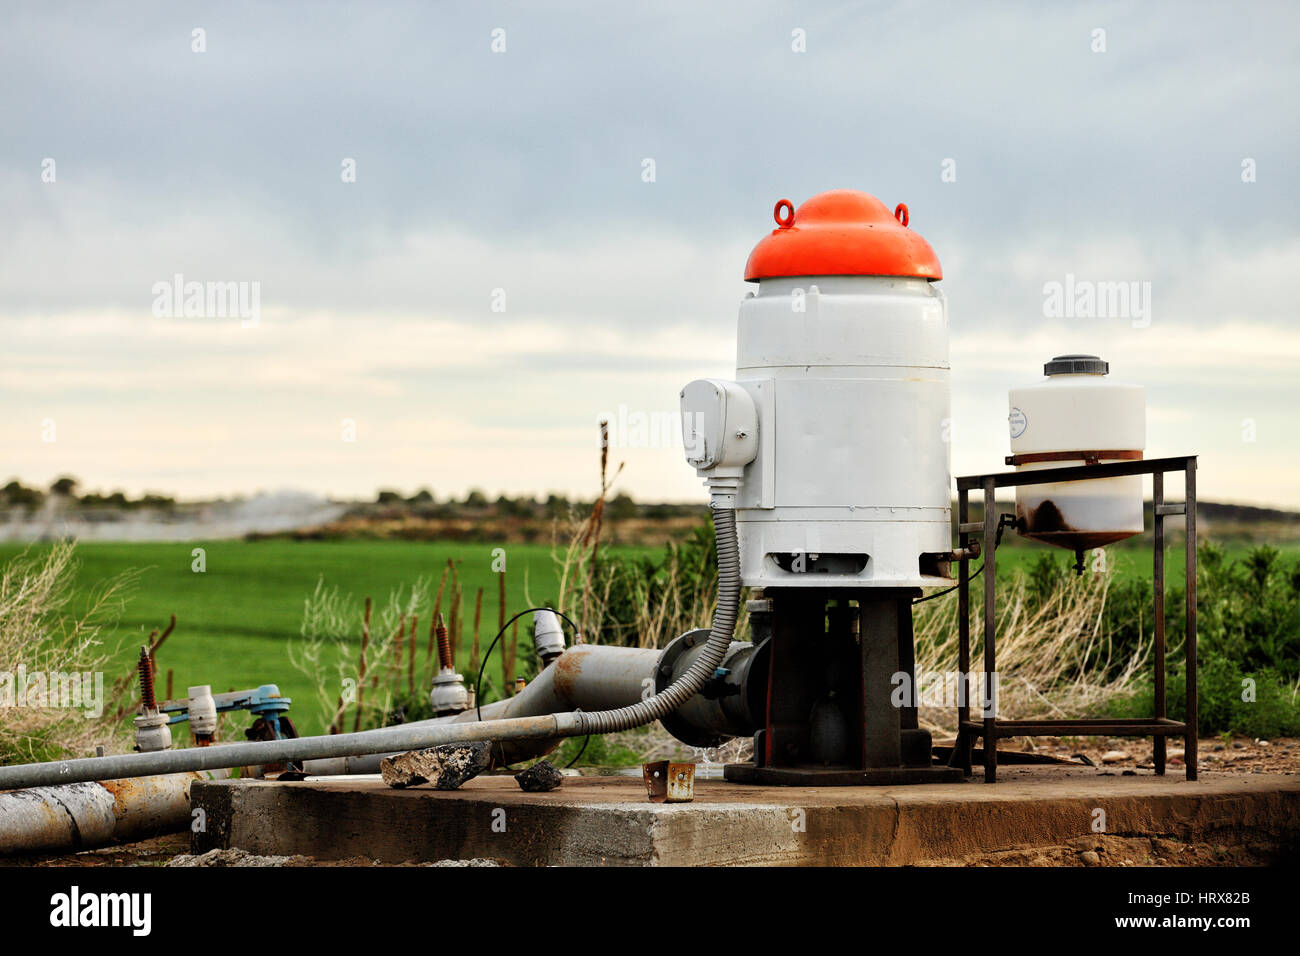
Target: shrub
{"type": "Point", "coordinates": [1220, 686]}
{"type": "Point", "coordinates": [1248, 628]}
{"type": "Point", "coordinates": [41, 632]}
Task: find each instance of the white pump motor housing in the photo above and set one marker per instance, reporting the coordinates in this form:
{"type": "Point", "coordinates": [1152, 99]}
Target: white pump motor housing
{"type": "Point", "coordinates": [844, 352]}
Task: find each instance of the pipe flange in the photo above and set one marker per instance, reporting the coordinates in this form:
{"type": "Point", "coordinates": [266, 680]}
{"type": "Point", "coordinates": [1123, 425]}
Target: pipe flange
{"type": "Point", "coordinates": [448, 694]}
{"type": "Point", "coordinates": [152, 732]}
{"type": "Point", "coordinates": [683, 731]}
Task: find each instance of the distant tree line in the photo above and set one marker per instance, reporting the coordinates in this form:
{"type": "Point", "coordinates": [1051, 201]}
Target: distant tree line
{"type": "Point", "coordinates": [477, 502]}
{"type": "Point", "coordinates": [17, 495]}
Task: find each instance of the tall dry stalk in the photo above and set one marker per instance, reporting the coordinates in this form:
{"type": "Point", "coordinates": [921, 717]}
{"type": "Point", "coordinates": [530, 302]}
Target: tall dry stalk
{"type": "Point", "coordinates": [361, 670]}
{"type": "Point", "coordinates": [410, 671]}
{"type": "Point", "coordinates": [673, 600]}
{"type": "Point", "coordinates": [478, 617]}
{"type": "Point", "coordinates": [454, 629]}
{"type": "Point", "coordinates": [509, 658]}
{"type": "Point", "coordinates": [582, 594]}
{"type": "Point", "coordinates": [395, 657]}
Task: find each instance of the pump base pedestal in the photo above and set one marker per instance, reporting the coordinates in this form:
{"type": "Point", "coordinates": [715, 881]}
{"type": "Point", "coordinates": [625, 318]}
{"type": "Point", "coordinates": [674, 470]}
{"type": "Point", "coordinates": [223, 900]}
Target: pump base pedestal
{"type": "Point", "coordinates": [841, 703]}
{"type": "Point", "coordinates": [839, 776]}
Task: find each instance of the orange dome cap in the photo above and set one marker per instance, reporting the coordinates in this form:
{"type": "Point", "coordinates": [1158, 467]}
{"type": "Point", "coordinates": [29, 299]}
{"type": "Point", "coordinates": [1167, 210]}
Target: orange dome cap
{"type": "Point", "coordinates": [843, 232]}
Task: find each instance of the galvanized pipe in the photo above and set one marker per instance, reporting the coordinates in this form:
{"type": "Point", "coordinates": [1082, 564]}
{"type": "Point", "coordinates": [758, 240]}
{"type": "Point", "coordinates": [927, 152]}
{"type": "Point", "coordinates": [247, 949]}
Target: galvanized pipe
{"type": "Point", "coordinates": [385, 739]}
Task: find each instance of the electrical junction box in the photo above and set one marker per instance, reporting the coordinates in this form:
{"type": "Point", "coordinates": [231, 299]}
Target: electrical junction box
{"type": "Point", "coordinates": [719, 426]}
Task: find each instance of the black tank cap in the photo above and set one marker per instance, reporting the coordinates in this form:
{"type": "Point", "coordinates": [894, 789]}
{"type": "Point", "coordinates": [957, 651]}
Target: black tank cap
{"type": "Point", "coordinates": [1076, 365]}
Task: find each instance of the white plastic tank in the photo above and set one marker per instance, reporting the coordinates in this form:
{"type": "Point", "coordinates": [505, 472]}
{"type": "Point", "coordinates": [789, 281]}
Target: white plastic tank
{"type": "Point", "coordinates": [1077, 415]}
{"type": "Point", "coordinates": [844, 350]}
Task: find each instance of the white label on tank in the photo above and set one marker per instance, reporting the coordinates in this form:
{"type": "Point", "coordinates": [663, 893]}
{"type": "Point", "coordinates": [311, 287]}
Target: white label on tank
{"type": "Point", "coordinates": [1018, 422]}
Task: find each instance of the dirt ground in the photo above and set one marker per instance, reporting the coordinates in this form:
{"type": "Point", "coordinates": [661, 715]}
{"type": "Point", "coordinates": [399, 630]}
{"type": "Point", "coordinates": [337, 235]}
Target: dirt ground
{"type": "Point", "coordinates": [1132, 756]}
{"type": "Point", "coordinates": [1233, 755]}
{"type": "Point", "coordinates": [1107, 756]}
{"type": "Point", "coordinates": [1107, 850]}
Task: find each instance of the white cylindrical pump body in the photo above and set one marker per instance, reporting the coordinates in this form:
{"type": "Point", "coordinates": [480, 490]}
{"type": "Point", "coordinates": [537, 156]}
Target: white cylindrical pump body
{"type": "Point", "coordinates": [1085, 413]}
{"type": "Point", "coordinates": [850, 485]}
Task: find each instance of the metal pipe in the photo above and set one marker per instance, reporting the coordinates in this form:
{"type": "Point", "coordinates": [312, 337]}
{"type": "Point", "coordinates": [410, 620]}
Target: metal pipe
{"type": "Point", "coordinates": [585, 677]}
{"type": "Point", "coordinates": [219, 756]}
{"type": "Point", "coordinates": [82, 816]}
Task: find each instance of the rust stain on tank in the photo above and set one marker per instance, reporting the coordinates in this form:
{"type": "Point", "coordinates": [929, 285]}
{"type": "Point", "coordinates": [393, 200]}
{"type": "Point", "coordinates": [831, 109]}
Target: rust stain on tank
{"type": "Point", "coordinates": [121, 788]}
{"type": "Point", "coordinates": [124, 792]}
{"type": "Point", "coordinates": [139, 791]}
{"type": "Point", "coordinates": [1046, 523]}
{"type": "Point", "coordinates": [567, 668]}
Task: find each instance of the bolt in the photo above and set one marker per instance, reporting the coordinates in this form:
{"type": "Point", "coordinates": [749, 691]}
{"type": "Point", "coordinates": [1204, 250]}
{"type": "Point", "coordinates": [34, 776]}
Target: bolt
{"type": "Point", "coordinates": [444, 647]}
{"type": "Point", "coordinates": [147, 699]}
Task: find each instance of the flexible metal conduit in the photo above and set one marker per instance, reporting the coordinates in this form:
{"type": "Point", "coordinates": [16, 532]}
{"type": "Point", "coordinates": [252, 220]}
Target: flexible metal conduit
{"type": "Point", "coordinates": [724, 626]}
{"type": "Point", "coordinates": [387, 739]}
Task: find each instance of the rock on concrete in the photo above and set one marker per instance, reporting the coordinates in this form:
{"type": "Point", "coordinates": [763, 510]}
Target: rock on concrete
{"type": "Point", "coordinates": [539, 778]}
{"type": "Point", "coordinates": [446, 767]}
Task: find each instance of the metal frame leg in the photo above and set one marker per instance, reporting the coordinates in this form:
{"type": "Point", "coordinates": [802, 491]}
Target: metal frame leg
{"type": "Point", "coordinates": [1158, 577]}
{"type": "Point", "coordinates": [990, 626]}
{"type": "Point", "coordinates": [1189, 521]}
{"type": "Point", "coordinates": [962, 750]}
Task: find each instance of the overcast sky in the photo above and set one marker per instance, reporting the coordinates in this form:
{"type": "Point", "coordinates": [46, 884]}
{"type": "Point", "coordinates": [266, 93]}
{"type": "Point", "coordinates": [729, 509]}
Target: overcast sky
{"type": "Point", "coordinates": [1163, 150]}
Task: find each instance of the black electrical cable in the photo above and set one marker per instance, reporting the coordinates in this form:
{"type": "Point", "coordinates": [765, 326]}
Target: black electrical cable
{"type": "Point", "coordinates": [478, 682]}
{"type": "Point", "coordinates": [1004, 520]}
{"type": "Point", "coordinates": [581, 750]}
{"type": "Point", "coordinates": [700, 671]}
{"type": "Point", "coordinates": [937, 594]}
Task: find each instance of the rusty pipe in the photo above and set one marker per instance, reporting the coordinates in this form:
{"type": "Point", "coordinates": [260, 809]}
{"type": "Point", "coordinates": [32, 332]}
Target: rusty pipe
{"type": "Point", "coordinates": [83, 816]}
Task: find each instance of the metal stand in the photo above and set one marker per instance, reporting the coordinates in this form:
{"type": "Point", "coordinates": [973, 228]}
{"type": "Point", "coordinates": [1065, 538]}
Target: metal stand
{"type": "Point", "coordinates": [831, 717]}
{"type": "Point", "coordinates": [1158, 727]}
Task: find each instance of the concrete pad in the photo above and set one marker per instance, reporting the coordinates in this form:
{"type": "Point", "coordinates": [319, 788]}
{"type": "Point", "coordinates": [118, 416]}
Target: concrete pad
{"type": "Point", "coordinates": [609, 821]}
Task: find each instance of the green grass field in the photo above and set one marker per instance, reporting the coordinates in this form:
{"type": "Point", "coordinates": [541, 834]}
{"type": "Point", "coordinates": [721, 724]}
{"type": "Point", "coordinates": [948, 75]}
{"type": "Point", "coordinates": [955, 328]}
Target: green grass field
{"type": "Point", "coordinates": [236, 620]}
